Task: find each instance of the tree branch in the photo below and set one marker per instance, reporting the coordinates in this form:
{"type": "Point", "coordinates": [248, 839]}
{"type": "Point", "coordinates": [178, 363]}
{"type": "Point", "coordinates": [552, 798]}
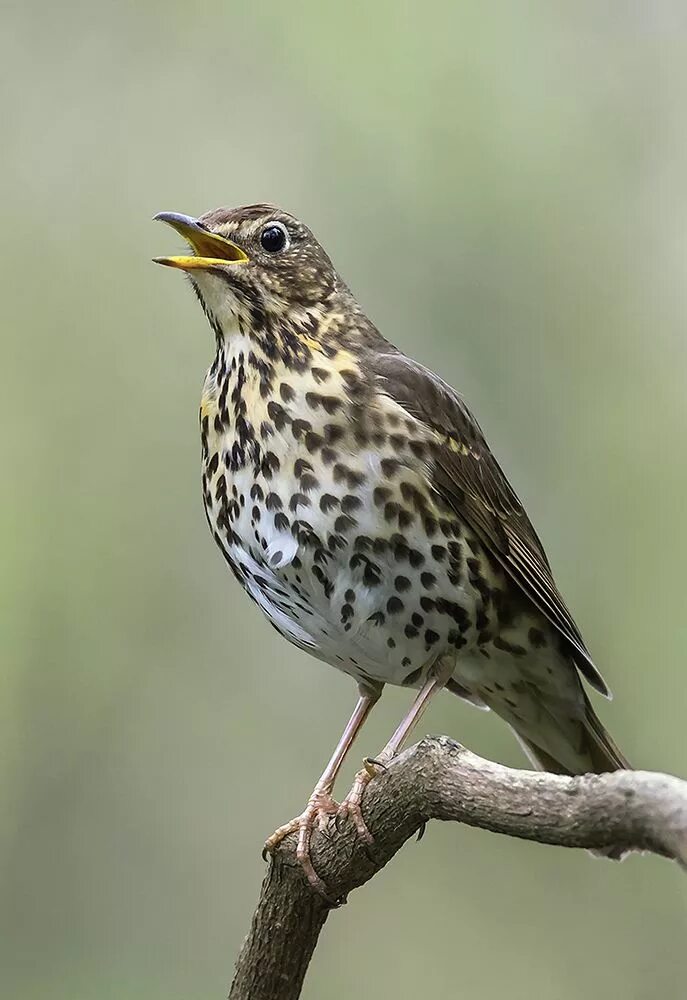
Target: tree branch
{"type": "Point", "coordinates": [439, 779]}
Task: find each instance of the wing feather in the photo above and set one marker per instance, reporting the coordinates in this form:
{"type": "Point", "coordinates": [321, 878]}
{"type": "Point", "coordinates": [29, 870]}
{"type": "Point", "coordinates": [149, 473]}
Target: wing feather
{"type": "Point", "coordinates": [470, 480]}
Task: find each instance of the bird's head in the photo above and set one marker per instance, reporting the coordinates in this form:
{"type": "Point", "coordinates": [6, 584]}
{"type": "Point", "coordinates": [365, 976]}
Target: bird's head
{"type": "Point", "coordinates": [252, 264]}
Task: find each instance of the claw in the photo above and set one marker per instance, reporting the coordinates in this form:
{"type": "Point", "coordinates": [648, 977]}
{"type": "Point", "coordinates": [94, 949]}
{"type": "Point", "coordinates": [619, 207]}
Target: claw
{"type": "Point", "coordinates": [350, 806]}
{"type": "Point", "coordinates": [369, 763]}
{"type": "Point", "coordinates": [318, 812]}
{"type": "Point", "coordinates": [353, 810]}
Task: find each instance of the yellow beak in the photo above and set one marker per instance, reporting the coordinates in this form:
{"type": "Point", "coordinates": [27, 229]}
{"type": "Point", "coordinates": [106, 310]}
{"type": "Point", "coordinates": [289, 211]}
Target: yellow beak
{"type": "Point", "coordinates": [211, 250]}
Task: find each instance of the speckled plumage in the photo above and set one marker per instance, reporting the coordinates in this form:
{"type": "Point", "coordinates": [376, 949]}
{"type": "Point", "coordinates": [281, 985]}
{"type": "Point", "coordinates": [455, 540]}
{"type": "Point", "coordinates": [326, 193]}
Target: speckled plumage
{"type": "Point", "coordinates": [355, 499]}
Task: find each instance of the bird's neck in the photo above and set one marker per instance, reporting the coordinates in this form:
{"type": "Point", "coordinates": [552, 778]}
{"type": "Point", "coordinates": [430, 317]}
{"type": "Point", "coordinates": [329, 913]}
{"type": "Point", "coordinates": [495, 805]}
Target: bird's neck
{"type": "Point", "coordinates": [273, 371]}
{"type": "Point", "coordinates": [291, 332]}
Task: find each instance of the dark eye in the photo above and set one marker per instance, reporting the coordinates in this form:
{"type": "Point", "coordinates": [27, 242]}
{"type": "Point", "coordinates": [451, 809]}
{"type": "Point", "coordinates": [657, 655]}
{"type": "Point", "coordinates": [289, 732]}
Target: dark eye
{"type": "Point", "coordinates": [274, 237]}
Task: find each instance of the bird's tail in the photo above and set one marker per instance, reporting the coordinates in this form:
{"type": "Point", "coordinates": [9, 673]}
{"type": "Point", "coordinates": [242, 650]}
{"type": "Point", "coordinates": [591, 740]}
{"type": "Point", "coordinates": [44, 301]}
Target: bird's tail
{"type": "Point", "coordinates": [597, 750]}
{"type": "Point", "coordinates": [597, 753]}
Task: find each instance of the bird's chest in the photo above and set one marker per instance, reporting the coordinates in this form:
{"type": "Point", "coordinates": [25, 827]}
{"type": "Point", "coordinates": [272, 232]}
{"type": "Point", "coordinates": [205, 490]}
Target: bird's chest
{"type": "Point", "coordinates": [322, 508]}
{"type": "Point", "coordinates": [280, 485]}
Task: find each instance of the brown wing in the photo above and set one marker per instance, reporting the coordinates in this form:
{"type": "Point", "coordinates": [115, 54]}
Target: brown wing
{"type": "Point", "coordinates": [469, 478]}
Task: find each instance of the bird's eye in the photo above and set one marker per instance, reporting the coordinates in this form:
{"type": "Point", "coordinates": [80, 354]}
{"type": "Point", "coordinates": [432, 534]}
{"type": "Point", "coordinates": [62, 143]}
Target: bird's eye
{"type": "Point", "coordinates": [274, 237]}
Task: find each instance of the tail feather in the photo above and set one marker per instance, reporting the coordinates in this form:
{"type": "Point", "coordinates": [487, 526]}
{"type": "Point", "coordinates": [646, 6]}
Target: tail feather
{"type": "Point", "coordinates": [597, 750]}
{"type": "Point", "coordinates": [604, 752]}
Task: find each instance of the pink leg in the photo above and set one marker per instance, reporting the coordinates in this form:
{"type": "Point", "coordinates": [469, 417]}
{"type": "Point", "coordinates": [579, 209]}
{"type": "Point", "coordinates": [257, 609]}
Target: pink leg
{"type": "Point", "coordinates": [351, 804]}
{"type": "Point", "coordinates": [321, 806]}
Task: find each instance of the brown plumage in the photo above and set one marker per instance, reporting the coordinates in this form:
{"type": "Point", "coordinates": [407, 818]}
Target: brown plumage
{"type": "Point", "coordinates": [356, 500]}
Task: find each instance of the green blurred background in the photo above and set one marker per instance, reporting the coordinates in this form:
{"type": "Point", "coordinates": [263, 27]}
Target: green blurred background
{"type": "Point", "coordinates": [503, 185]}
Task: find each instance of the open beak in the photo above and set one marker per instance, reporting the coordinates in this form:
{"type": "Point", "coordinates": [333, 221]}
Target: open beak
{"type": "Point", "coordinates": [210, 249]}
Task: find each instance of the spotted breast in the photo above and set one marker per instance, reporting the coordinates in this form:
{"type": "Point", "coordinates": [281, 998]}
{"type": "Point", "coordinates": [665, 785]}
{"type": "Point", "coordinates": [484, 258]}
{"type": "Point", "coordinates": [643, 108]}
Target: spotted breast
{"type": "Point", "coordinates": [316, 490]}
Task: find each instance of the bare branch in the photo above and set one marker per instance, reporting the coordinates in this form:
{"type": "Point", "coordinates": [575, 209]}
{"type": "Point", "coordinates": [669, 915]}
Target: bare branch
{"type": "Point", "coordinates": [439, 779]}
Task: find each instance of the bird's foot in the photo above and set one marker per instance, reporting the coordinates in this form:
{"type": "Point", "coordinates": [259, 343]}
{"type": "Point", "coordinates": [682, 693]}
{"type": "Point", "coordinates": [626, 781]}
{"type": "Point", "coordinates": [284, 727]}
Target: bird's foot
{"type": "Point", "coordinates": [317, 814]}
{"type": "Point", "coordinates": [350, 806]}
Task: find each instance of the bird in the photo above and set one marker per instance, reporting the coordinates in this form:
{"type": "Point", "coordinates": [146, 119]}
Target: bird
{"type": "Point", "coordinates": [355, 499]}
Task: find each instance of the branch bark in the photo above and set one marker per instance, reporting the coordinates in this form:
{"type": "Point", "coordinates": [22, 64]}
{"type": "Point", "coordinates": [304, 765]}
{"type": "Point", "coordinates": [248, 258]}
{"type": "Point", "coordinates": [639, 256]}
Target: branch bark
{"type": "Point", "coordinates": [439, 779]}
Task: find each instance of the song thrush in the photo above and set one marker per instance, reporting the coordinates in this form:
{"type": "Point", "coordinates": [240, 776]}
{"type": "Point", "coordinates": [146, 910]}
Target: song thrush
{"type": "Point", "coordinates": [355, 499]}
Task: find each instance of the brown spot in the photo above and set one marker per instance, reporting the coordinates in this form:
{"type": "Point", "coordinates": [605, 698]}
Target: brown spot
{"type": "Point", "coordinates": [286, 392]}
{"type": "Point", "coordinates": [456, 639]}
{"type": "Point", "coordinates": [394, 605]}
{"type": "Point", "coordinates": [537, 638]}
{"type": "Point", "coordinates": [340, 472]}
{"type": "Point", "coordinates": [354, 383]}
{"type": "Point", "coordinates": [430, 525]}
{"type": "Point", "coordinates": [309, 482]}
{"type": "Point", "coordinates": [299, 427]}
{"type": "Point", "coordinates": [389, 467]}
{"type": "Point", "coordinates": [412, 677]}
{"type": "Point", "coordinates": [328, 502]}
{"type": "Point", "coordinates": [405, 519]}
{"type": "Point", "coordinates": [298, 500]}
{"type": "Point", "coordinates": [352, 478]}
{"type": "Point", "coordinates": [333, 433]}
{"type": "Point", "coordinates": [400, 548]}
{"type": "Point", "coordinates": [509, 647]}
{"type": "Point", "coordinates": [391, 510]}
{"type": "Point", "coordinates": [277, 414]}
{"type": "Point", "coordinates": [504, 610]}
{"type": "Point", "coordinates": [350, 502]}
{"type": "Point", "coordinates": [300, 466]}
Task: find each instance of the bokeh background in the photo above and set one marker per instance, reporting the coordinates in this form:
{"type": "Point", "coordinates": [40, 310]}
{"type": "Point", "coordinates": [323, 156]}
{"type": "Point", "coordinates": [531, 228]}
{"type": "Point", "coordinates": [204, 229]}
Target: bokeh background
{"type": "Point", "coordinates": [503, 185]}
